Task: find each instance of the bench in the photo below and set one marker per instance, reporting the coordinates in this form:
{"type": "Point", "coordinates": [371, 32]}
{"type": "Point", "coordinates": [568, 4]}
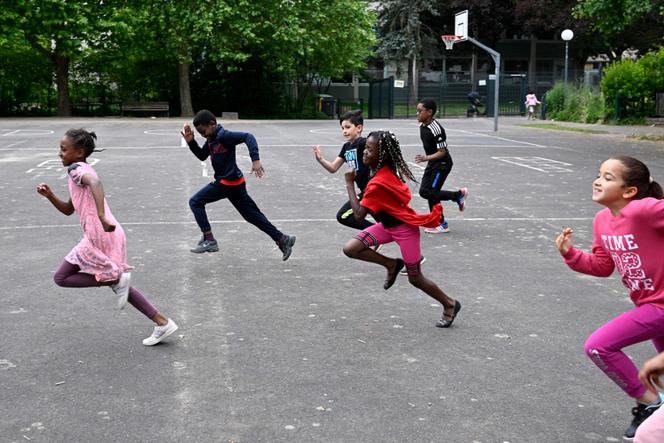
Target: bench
{"type": "Point", "coordinates": [145, 107]}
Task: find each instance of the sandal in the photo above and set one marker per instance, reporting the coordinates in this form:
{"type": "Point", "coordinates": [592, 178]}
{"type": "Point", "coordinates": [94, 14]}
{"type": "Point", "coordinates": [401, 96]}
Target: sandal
{"type": "Point", "coordinates": [447, 322]}
{"type": "Point", "coordinates": [392, 277]}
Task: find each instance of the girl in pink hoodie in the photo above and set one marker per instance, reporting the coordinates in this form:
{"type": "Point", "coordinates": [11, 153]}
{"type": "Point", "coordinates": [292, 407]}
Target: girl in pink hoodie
{"type": "Point", "coordinates": [629, 236]}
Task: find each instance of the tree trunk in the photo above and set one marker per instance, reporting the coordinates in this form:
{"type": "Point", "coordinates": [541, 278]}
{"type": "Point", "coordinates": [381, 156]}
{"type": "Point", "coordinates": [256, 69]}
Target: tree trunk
{"type": "Point", "coordinates": [186, 108]}
{"type": "Point", "coordinates": [62, 81]}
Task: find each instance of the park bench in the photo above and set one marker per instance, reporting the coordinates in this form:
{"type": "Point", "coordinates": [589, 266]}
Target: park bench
{"type": "Point", "coordinates": [145, 107]}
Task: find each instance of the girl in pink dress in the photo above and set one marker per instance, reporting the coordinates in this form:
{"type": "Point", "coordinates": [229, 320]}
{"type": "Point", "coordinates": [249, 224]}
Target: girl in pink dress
{"type": "Point", "coordinates": [99, 259]}
{"type": "Point", "coordinates": [629, 237]}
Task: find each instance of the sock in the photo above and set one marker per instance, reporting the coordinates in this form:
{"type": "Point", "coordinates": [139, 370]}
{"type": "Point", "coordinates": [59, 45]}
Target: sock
{"type": "Point", "coordinates": [208, 236]}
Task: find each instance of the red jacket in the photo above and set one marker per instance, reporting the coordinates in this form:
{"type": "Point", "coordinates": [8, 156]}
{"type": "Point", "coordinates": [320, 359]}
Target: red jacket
{"type": "Point", "coordinates": [386, 192]}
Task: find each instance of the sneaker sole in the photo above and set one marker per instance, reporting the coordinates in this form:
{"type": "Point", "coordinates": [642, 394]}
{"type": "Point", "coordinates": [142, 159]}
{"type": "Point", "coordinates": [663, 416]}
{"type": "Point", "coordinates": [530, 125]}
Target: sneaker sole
{"type": "Point", "coordinates": [166, 334]}
{"type": "Point", "coordinates": [205, 250]}
{"type": "Point", "coordinates": [436, 232]}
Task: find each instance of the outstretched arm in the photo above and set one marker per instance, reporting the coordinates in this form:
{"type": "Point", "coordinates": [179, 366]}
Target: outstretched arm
{"type": "Point", "coordinates": [98, 196]}
{"type": "Point", "coordinates": [330, 166]}
{"type": "Point", "coordinates": [67, 208]}
{"type": "Point", "coordinates": [597, 263]}
{"type": "Point", "coordinates": [359, 211]}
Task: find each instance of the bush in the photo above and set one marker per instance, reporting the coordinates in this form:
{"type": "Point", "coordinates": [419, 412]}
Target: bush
{"type": "Point", "coordinates": [630, 86]}
{"type": "Point", "coordinates": [576, 104]}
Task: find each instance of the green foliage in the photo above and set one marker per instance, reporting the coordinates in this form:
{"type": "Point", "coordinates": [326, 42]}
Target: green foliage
{"type": "Point", "coordinates": [630, 86]}
{"type": "Point", "coordinates": [576, 104]}
{"type": "Point", "coordinates": [612, 16]}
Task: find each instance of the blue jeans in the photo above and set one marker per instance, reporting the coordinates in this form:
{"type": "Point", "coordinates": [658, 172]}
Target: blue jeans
{"type": "Point", "coordinates": [239, 198]}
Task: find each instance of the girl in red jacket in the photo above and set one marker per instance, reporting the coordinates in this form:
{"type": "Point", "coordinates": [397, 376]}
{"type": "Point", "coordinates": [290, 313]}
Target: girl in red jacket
{"type": "Point", "coordinates": [386, 198]}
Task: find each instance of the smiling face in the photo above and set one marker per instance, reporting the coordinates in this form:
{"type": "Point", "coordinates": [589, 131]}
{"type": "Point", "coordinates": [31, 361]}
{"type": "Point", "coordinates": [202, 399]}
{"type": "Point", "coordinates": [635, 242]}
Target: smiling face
{"type": "Point", "coordinates": [69, 153]}
{"type": "Point", "coordinates": [350, 131]}
{"type": "Point", "coordinates": [609, 188]}
{"type": "Point", "coordinates": [370, 156]}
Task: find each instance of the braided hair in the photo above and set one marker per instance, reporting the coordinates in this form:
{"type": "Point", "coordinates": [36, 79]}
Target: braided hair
{"type": "Point", "coordinates": [389, 153]}
{"type": "Point", "coordinates": [82, 139]}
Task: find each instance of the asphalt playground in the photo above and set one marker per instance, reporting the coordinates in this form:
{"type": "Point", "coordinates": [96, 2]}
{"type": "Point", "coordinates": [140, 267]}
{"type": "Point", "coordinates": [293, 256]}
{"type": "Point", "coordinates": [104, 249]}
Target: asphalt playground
{"type": "Point", "coordinates": [311, 349]}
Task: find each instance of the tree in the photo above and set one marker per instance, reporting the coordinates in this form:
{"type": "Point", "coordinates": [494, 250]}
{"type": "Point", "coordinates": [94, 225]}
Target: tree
{"type": "Point", "coordinates": [403, 31]}
{"type": "Point", "coordinates": [312, 41]}
{"type": "Point", "coordinates": [625, 24]}
{"type": "Point", "coordinates": [62, 31]}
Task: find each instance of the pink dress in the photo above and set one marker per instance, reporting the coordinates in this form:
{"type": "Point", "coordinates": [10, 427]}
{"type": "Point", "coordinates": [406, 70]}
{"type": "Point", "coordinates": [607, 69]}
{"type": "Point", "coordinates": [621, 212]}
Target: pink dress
{"type": "Point", "coordinates": [99, 253]}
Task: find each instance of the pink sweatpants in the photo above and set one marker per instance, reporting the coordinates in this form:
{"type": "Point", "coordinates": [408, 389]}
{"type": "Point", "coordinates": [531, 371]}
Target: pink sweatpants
{"type": "Point", "coordinates": [604, 346]}
{"type": "Point", "coordinates": [651, 430]}
{"type": "Point", "coordinates": [70, 276]}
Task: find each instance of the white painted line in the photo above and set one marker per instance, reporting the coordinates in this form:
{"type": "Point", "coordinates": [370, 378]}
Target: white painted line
{"type": "Point", "coordinates": [305, 220]}
{"type": "Point", "coordinates": [416, 165]}
{"type": "Point", "coordinates": [183, 142]}
{"type": "Point", "coordinates": [537, 163]}
{"type": "Point", "coordinates": [30, 131]}
{"type": "Point", "coordinates": [10, 133]}
{"type": "Point", "coordinates": [204, 167]}
{"type": "Point", "coordinates": [502, 138]}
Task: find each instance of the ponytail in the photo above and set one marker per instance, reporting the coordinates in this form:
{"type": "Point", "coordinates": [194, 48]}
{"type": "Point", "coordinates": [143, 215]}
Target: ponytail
{"type": "Point", "coordinates": [635, 173]}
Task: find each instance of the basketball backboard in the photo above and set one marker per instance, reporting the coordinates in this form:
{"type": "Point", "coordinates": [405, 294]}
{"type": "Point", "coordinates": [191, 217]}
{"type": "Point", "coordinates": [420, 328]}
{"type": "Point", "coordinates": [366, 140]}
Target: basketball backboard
{"type": "Point", "coordinates": [461, 25]}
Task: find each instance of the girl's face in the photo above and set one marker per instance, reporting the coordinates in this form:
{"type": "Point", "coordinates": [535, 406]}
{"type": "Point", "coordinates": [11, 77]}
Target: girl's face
{"type": "Point", "coordinates": [350, 131]}
{"type": "Point", "coordinates": [370, 156]}
{"type": "Point", "coordinates": [609, 188]}
{"type": "Point", "coordinates": [69, 153]}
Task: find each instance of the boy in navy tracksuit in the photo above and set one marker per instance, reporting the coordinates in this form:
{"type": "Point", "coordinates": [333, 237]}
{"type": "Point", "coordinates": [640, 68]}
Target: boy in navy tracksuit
{"type": "Point", "coordinates": [228, 181]}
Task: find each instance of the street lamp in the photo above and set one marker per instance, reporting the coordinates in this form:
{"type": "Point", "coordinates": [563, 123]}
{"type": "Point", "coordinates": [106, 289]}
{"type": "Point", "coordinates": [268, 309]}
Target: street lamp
{"type": "Point", "coordinates": [566, 35]}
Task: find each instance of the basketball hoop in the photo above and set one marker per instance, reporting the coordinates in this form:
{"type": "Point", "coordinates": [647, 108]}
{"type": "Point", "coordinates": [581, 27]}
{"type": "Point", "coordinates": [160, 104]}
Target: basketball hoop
{"type": "Point", "coordinates": [449, 40]}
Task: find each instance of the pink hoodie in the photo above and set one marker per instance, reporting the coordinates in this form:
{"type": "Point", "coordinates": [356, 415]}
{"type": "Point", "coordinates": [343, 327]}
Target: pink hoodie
{"type": "Point", "coordinates": [633, 242]}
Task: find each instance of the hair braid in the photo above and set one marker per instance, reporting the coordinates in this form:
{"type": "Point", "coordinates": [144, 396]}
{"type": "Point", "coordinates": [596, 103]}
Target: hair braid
{"type": "Point", "coordinates": [389, 153]}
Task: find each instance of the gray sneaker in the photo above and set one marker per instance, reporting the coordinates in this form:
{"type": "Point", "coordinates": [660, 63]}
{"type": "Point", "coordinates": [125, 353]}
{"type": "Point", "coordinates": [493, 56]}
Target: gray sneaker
{"type": "Point", "coordinates": [286, 246]}
{"type": "Point", "coordinates": [205, 246]}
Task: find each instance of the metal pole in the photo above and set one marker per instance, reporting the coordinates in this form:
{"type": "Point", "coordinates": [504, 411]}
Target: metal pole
{"type": "Point", "coordinates": [566, 44]}
{"type": "Point", "coordinates": [496, 59]}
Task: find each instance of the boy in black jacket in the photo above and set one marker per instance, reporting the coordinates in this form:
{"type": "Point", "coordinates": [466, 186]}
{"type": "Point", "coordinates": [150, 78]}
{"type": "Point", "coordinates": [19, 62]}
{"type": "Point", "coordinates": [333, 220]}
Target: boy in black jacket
{"type": "Point", "coordinates": [228, 181]}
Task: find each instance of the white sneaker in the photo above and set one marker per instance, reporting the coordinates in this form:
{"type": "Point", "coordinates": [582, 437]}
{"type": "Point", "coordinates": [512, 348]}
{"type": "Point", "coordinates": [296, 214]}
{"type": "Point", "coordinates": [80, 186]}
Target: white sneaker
{"type": "Point", "coordinates": [160, 333]}
{"type": "Point", "coordinates": [440, 229]}
{"type": "Point", "coordinates": [121, 289]}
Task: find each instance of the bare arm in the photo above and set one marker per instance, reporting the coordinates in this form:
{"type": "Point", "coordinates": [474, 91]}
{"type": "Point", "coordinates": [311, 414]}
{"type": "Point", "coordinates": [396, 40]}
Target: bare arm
{"type": "Point", "coordinates": [330, 166]}
{"type": "Point", "coordinates": [437, 156]}
{"type": "Point", "coordinates": [359, 211]}
{"type": "Point", "coordinates": [67, 208]}
{"type": "Point", "coordinates": [98, 196]}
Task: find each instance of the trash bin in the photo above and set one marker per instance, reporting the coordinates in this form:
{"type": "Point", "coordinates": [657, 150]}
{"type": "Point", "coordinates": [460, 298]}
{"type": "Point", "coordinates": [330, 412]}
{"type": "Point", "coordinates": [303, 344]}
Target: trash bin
{"type": "Point", "coordinates": [327, 105]}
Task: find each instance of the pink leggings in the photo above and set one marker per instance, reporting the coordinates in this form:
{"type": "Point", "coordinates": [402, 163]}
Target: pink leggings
{"type": "Point", "coordinates": [405, 235]}
{"type": "Point", "coordinates": [70, 276]}
{"type": "Point", "coordinates": [604, 346]}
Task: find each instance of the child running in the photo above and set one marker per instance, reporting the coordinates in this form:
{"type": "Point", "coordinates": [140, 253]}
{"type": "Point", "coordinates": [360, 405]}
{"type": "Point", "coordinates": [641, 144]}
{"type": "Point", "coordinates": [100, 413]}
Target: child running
{"type": "Point", "coordinates": [531, 102]}
{"type": "Point", "coordinates": [652, 429]}
{"type": "Point", "coordinates": [439, 164]}
{"type": "Point", "coordinates": [386, 197]}
{"type": "Point", "coordinates": [228, 181]}
{"type": "Point", "coordinates": [351, 153]}
{"type": "Point", "coordinates": [100, 258]}
{"type": "Point", "coordinates": [629, 236]}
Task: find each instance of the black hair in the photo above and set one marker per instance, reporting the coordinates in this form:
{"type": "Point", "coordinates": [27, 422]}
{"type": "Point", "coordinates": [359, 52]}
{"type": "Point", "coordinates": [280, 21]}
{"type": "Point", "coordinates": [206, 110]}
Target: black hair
{"type": "Point", "coordinates": [389, 153]}
{"type": "Point", "coordinates": [82, 139]}
{"type": "Point", "coordinates": [430, 104]}
{"type": "Point", "coordinates": [355, 117]}
{"type": "Point", "coordinates": [204, 117]}
{"type": "Point", "coordinates": [636, 173]}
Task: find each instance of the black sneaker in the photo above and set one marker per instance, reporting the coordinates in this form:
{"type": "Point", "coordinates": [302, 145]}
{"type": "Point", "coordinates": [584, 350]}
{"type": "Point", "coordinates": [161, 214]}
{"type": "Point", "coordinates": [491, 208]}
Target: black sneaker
{"type": "Point", "coordinates": [205, 246]}
{"type": "Point", "coordinates": [640, 413]}
{"type": "Point", "coordinates": [286, 245]}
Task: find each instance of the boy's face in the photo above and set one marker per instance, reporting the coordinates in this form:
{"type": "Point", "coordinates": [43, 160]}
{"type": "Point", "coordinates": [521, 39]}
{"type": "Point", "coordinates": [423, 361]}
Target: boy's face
{"type": "Point", "coordinates": [207, 130]}
{"type": "Point", "coordinates": [423, 114]}
{"type": "Point", "coordinates": [350, 131]}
